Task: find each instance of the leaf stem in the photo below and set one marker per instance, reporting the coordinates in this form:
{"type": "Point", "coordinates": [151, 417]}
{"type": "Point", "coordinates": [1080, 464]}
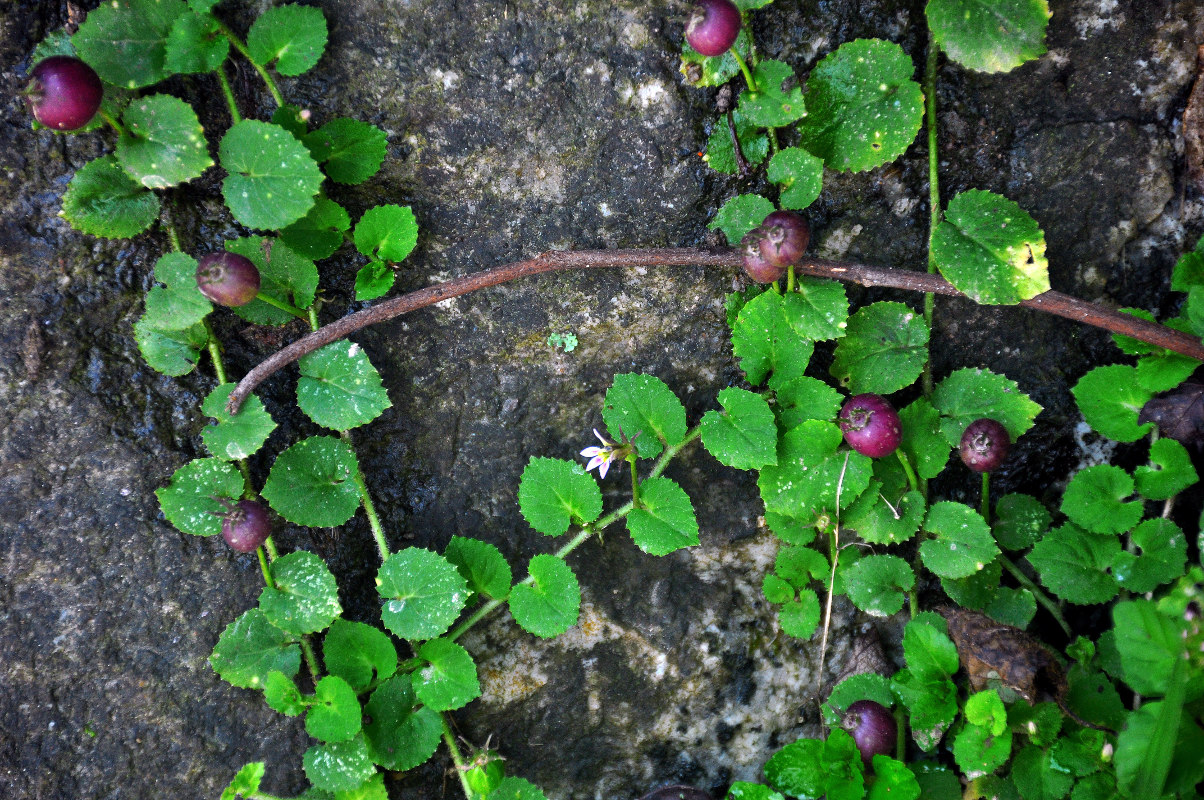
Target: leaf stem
{"type": "Point", "coordinates": [986, 497]}
{"type": "Point", "coordinates": [790, 279]}
{"type": "Point", "coordinates": [1042, 598]}
{"type": "Point", "coordinates": [113, 123]}
{"type": "Point", "coordinates": [283, 306]}
{"type": "Point", "coordinates": [912, 481]}
{"type": "Point", "coordinates": [378, 531]}
{"type": "Point", "coordinates": [238, 45]}
{"type": "Point", "coordinates": [263, 565]}
{"type": "Point", "coordinates": [228, 93]}
{"type": "Point", "coordinates": [635, 481]}
{"type": "Point", "coordinates": [748, 78]}
{"type": "Point", "coordinates": [934, 189]}
{"type": "Point", "coordinates": [456, 756]}
{"type": "Point", "coordinates": [215, 354]}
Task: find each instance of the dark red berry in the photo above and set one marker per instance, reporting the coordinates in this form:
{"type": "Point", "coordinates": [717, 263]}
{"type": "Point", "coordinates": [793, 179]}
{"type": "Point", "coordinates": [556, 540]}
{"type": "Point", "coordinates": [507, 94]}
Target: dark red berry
{"type": "Point", "coordinates": [713, 27]}
{"type": "Point", "coordinates": [870, 425]}
{"type": "Point", "coordinates": [755, 264]}
{"type": "Point", "coordinates": [784, 237]}
{"type": "Point", "coordinates": [64, 93]}
{"type": "Point", "coordinates": [246, 526]}
{"type": "Point", "coordinates": [984, 445]}
{"type": "Point", "coordinates": [227, 279]}
{"type": "Point", "coordinates": [872, 727]}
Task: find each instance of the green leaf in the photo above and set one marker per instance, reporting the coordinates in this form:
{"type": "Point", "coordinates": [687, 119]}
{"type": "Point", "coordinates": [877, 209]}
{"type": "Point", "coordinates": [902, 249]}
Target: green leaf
{"type": "Point", "coordinates": [552, 493]}
{"type": "Point", "coordinates": [178, 304]}
{"type": "Point", "coordinates": [1110, 399]}
{"type": "Point", "coordinates": [102, 200]}
{"type": "Point", "coordinates": [777, 590]}
{"type": "Point", "coordinates": [423, 591]}
{"type": "Point", "coordinates": [778, 100]}
{"type": "Point", "coordinates": [884, 349]}
{"type": "Point", "coordinates": [449, 680]}
{"type": "Point", "coordinates": [238, 436]}
{"type": "Point", "coordinates": [930, 654]}
{"type": "Point", "coordinates": [305, 595]}
{"type": "Point", "coordinates": [765, 341]}
{"type": "Point", "coordinates": [804, 482]}
{"type": "Point", "coordinates": [937, 782]}
{"type": "Point", "coordinates": [386, 232]}
{"type": "Point", "coordinates": [125, 41]}
{"type": "Point", "coordinates": [1169, 473]}
{"type": "Point", "coordinates": [338, 766]}
{"type": "Point", "coordinates": [171, 352]}
{"type": "Point", "coordinates": [963, 543]}
{"type": "Point", "coordinates": [798, 769]}
{"type": "Point", "coordinates": [881, 522]}
{"type": "Point", "coordinates": [1095, 500]}
{"type": "Point", "coordinates": [339, 388]}
{"type": "Point", "coordinates": [744, 435]}
{"type": "Point", "coordinates": [358, 653]}
{"type": "Point", "coordinates": [251, 647]}
{"type": "Point", "coordinates": [664, 519]}
{"type": "Point", "coordinates": [1020, 521]}
{"type": "Point", "coordinates": [861, 686]}
{"type": "Point", "coordinates": [373, 280]}
{"type": "Point", "coordinates": [1163, 556]}
{"type": "Point", "coordinates": [335, 713]}
{"type": "Point", "coordinates": [877, 584]}
{"type": "Point", "coordinates": [804, 398]}
{"type": "Point", "coordinates": [549, 604]}
{"type": "Point", "coordinates": [512, 788]}
{"type": "Point", "coordinates": [282, 695]}
{"type": "Point", "coordinates": [245, 783]}
{"type": "Point", "coordinates": [644, 405]}
{"type": "Point", "coordinates": [991, 249]}
{"type": "Point", "coordinates": [800, 174]}
{"type": "Point", "coordinates": [799, 566]}
{"type": "Point", "coordinates": [1073, 564]}
{"type": "Point", "coordinates": [1160, 372]}
{"type": "Point", "coordinates": [931, 704]}
{"type": "Point", "coordinates": [721, 154]}
{"type": "Point", "coordinates": [800, 618]}
{"type": "Point", "coordinates": [973, 393]}
{"type": "Point", "coordinates": [349, 150]}
{"type": "Point", "coordinates": [702, 70]}
{"type": "Point", "coordinates": [740, 215]}
{"type": "Point", "coordinates": [1150, 644]}
{"type": "Point", "coordinates": [195, 44]}
{"type": "Point", "coordinates": [283, 274]}
{"type": "Point", "coordinates": [319, 233]}
{"type": "Point", "coordinates": [975, 591]}
{"type": "Point", "coordinates": [400, 736]}
{"type": "Point", "coordinates": [163, 143]}
{"type": "Point", "coordinates": [482, 565]}
{"type": "Point", "coordinates": [818, 309]}
{"type": "Point", "coordinates": [995, 36]}
{"type": "Point", "coordinates": [271, 178]}
{"type": "Point", "coordinates": [190, 501]}
{"type": "Point", "coordinates": [372, 789]}
{"type": "Point", "coordinates": [979, 752]}
{"type": "Point", "coordinates": [742, 790]}
{"type": "Point", "coordinates": [313, 483]}
{"type": "Point", "coordinates": [1036, 778]}
{"type": "Point", "coordinates": [923, 442]}
{"type": "Point", "coordinates": [1015, 607]}
{"type": "Point", "coordinates": [986, 709]}
{"type": "Point", "coordinates": [863, 108]}
{"type": "Point", "coordinates": [894, 781]}
{"type": "Point", "coordinates": [292, 35]}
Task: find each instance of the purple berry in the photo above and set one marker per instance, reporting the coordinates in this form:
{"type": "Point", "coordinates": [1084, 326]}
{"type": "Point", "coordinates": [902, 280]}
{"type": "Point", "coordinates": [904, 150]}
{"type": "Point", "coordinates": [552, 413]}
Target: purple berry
{"type": "Point", "coordinates": [246, 526]}
{"type": "Point", "coordinates": [713, 26]}
{"type": "Point", "coordinates": [755, 264]}
{"type": "Point", "coordinates": [784, 237]}
{"type": "Point", "coordinates": [984, 445]}
{"type": "Point", "coordinates": [64, 93]}
{"type": "Point", "coordinates": [872, 727]}
{"type": "Point", "coordinates": [870, 425]}
{"type": "Point", "coordinates": [227, 279]}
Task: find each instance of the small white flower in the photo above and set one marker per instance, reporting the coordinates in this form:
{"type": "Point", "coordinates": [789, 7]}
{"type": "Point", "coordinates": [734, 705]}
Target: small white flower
{"type": "Point", "coordinates": [610, 452]}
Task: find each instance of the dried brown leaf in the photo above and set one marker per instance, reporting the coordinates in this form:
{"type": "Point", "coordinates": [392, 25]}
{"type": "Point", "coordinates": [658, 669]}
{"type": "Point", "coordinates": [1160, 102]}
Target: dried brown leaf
{"type": "Point", "coordinates": [1193, 126]}
{"type": "Point", "coordinates": [1179, 414]}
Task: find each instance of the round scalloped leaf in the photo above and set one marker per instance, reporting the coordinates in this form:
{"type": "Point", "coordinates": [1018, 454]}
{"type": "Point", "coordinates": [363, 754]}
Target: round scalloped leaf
{"type": "Point", "coordinates": [238, 436]}
{"type": "Point", "coordinates": [320, 232]}
{"type": "Point", "coordinates": [400, 736]}
{"type": "Point", "coordinates": [251, 647]}
{"type": "Point", "coordinates": [740, 215]}
{"type": "Point", "coordinates": [978, 752]}
{"type": "Point", "coordinates": [880, 522]}
{"type": "Point", "coordinates": [335, 713]}
{"type": "Point", "coordinates": [1015, 607]}
{"type": "Point", "coordinates": [975, 591]}
{"type": "Point", "coordinates": [386, 232]}
{"type": "Point", "coordinates": [125, 40]}
{"type": "Point", "coordinates": [372, 789]}
{"type": "Point", "coordinates": [805, 398]}
{"type": "Point", "coordinates": [800, 618]}
{"type": "Point", "coordinates": [721, 154]}
{"type": "Point", "coordinates": [1110, 399]}
{"type": "Point", "coordinates": [804, 482]}
{"type": "Point", "coordinates": [991, 249]}
{"type": "Point", "coordinates": [373, 280]}
{"type": "Point", "coordinates": [989, 35]}
{"type": "Point", "coordinates": [1170, 471]}
{"type": "Point", "coordinates": [423, 591]}
{"type": "Point", "coordinates": [313, 483]}
{"type": "Point", "coordinates": [195, 44]}
{"type": "Point", "coordinates": [963, 543]}
{"type": "Point", "coordinates": [973, 393]}
{"type": "Point", "coordinates": [339, 387]}
{"type": "Point", "coordinates": [765, 341]}
{"type": "Point", "coordinates": [271, 180]}
{"type": "Point", "coordinates": [1163, 556]}
{"type": "Point", "coordinates": [482, 565]}
{"type": "Point", "coordinates": [923, 443]}
{"type": "Point", "coordinates": [163, 143]}
{"type": "Point", "coordinates": [1074, 564]}
{"type": "Point", "coordinates": [861, 686]}
{"type": "Point", "coordinates": [799, 566]}
{"type": "Point", "coordinates": [358, 653]}
{"type": "Point", "coordinates": [863, 108]}
{"type": "Point", "coordinates": [304, 597]}
{"type": "Point", "coordinates": [283, 275]}
{"type": "Point", "coordinates": [245, 783]}
{"type": "Point", "coordinates": [800, 176]}
{"type": "Point", "coordinates": [553, 493]}
{"type": "Point", "coordinates": [292, 35]}
{"type": "Point", "coordinates": [643, 405]}
{"type": "Point", "coordinates": [339, 766]}
{"type": "Point", "coordinates": [1020, 521]}
{"type": "Point", "coordinates": [818, 309]}
{"type": "Point", "coordinates": [1095, 499]}
{"type": "Point", "coordinates": [884, 349]}
{"type": "Point", "coordinates": [512, 788]}
{"type": "Point", "coordinates": [449, 679]}
{"type": "Point", "coordinates": [102, 200]}
{"type": "Point", "coordinates": [549, 604]}
{"type": "Point", "coordinates": [664, 520]}
{"type": "Point", "coordinates": [282, 695]}
{"type": "Point", "coordinates": [179, 303]}
{"type": "Point", "coordinates": [350, 151]}
{"type": "Point", "coordinates": [744, 435]}
{"type": "Point", "coordinates": [778, 100]}
{"type": "Point", "coordinates": [703, 70]}
{"type": "Point", "coordinates": [190, 501]}
{"type": "Point", "coordinates": [171, 352]}
{"type": "Point", "coordinates": [877, 584]}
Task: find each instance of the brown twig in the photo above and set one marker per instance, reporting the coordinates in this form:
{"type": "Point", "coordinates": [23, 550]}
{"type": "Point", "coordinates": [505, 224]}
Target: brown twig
{"type": "Point", "coordinates": [559, 260]}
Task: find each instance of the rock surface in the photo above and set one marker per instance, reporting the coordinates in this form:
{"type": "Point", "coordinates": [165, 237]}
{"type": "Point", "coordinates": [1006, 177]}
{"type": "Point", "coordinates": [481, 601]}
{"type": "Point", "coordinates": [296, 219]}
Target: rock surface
{"type": "Point", "coordinates": [514, 128]}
